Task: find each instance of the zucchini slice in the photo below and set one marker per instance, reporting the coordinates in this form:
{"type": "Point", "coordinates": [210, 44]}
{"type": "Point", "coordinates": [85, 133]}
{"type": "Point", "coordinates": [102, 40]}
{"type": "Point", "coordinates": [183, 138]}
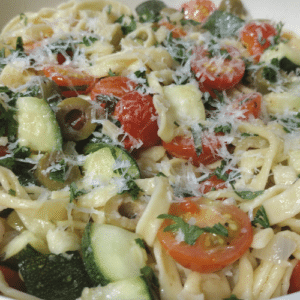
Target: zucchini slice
{"type": "Point", "coordinates": [111, 253]}
{"type": "Point", "coordinates": [53, 277]}
{"type": "Point", "coordinates": [105, 161]}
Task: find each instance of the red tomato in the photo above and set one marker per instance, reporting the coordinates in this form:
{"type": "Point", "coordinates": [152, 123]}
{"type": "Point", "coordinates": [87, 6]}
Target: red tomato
{"type": "Point", "coordinates": [177, 32]}
{"type": "Point", "coordinates": [12, 278]}
{"type": "Point", "coordinates": [137, 116]}
{"type": "Point", "coordinates": [210, 252]}
{"type": "Point", "coordinates": [198, 10]}
{"type": "Point", "coordinates": [295, 279]}
{"type": "Point", "coordinates": [212, 183]}
{"type": "Point", "coordinates": [184, 147]}
{"type": "Point", "coordinates": [218, 72]}
{"type": "Point", "coordinates": [257, 37]}
{"type": "Point", "coordinates": [71, 81]}
{"type": "Point", "coordinates": [116, 86]}
{"type": "Point", "coordinates": [250, 104]}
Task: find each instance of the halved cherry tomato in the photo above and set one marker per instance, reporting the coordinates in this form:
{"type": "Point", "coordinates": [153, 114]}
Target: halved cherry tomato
{"type": "Point", "coordinates": [138, 118]}
{"type": "Point", "coordinates": [12, 278]}
{"type": "Point", "coordinates": [210, 252]}
{"type": "Point", "coordinates": [218, 71]}
{"type": "Point", "coordinates": [72, 82]}
{"type": "Point", "coordinates": [257, 37]}
{"type": "Point", "coordinates": [176, 31]}
{"type": "Point", "coordinates": [295, 279]}
{"type": "Point", "coordinates": [212, 183]}
{"type": "Point", "coordinates": [250, 104]}
{"type": "Point", "coordinates": [116, 86]}
{"type": "Point", "coordinates": [184, 147]}
{"type": "Point", "coordinates": [198, 10]}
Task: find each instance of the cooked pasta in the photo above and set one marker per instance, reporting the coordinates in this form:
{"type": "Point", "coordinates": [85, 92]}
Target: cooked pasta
{"type": "Point", "coordinates": [152, 154]}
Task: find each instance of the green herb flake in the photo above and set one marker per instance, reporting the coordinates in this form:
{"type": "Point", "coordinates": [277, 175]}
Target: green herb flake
{"type": "Point", "coordinates": [141, 243]}
{"type": "Point", "coordinates": [75, 192]}
{"type": "Point", "coordinates": [24, 18]}
{"type": "Point", "coordinates": [197, 130]}
{"type": "Point", "coordinates": [223, 128]}
{"type": "Point", "coordinates": [160, 174]}
{"type": "Point", "coordinates": [232, 297]}
{"type": "Point", "coordinates": [248, 195]}
{"type": "Point", "coordinates": [219, 171]}
{"type": "Point", "coordinates": [261, 218]}
{"type": "Point", "coordinates": [192, 232]}
{"type": "Point", "coordinates": [12, 192]}
{"type": "Point", "coordinates": [131, 188]}
{"type": "Point", "coordinates": [111, 73]}
{"type": "Point", "coordinates": [184, 22]}
{"type": "Point", "coordinates": [58, 172]}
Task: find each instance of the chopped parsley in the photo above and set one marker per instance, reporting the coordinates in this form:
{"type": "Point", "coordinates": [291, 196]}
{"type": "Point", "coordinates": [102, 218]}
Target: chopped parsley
{"type": "Point", "coordinates": [192, 232]}
{"type": "Point", "coordinates": [109, 101]}
{"type": "Point", "coordinates": [232, 297]}
{"type": "Point", "coordinates": [131, 188]}
{"type": "Point", "coordinates": [141, 243]}
{"type": "Point", "coordinates": [270, 73]}
{"type": "Point", "coordinates": [12, 192]}
{"type": "Point", "coordinates": [223, 128]}
{"type": "Point", "coordinates": [58, 171]}
{"type": "Point", "coordinates": [75, 192]}
{"type": "Point", "coordinates": [261, 218]}
{"type": "Point", "coordinates": [24, 18]}
{"type": "Point", "coordinates": [126, 28]}
{"type": "Point", "coordinates": [8, 123]}
{"type": "Point", "coordinates": [248, 195]}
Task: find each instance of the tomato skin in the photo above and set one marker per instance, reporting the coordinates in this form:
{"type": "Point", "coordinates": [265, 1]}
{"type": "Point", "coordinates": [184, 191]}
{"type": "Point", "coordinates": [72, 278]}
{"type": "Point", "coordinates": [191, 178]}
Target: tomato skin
{"type": "Point", "coordinates": [3, 150]}
{"type": "Point", "coordinates": [72, 82]}
{"type": "Point", "coordinates": [137, 116]}
{"type": "Point", "coordinates": [61, 57]}
{"type": "Point", "coordinates": [212, 183]}
{"type": "Point", "coordinates": [12, 278]}
{"type": "Point", "coordinates": [184, 147]}
{"type": "Point", "coordinates": [199, 257]}
{"type": "Point", "coordinates": [175, 31]}
{"type": "Point", "coordinates": [198, 10]}
{"type": "Point", "coordinates": [295, 279]}
{"type": "Point", "coordinates": [116, 86]}
{"type": "Point", "coordinates": [250, 104]}
{"type": "Point", "coordinates": [257, 37]}
{"type": "Point", "coordinates": [217, 72]}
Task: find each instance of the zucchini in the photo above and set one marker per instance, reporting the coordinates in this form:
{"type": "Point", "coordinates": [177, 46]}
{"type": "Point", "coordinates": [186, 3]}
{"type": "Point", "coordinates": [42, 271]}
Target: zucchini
{"type": "Point", "coordinates": [111, 253]}
{"type": "Point", "coordinates": [289, 57]}
{"type": "Point", "coordinates": [131, 289]}
{"type": "Point", "coordinates": [38, 128]}
{"type": "Point", "coordinates": [105, 161]}
{"type": "Point", "coordinates": [150, 9]}
{"type": "Point", "coordinates": [53, 277]}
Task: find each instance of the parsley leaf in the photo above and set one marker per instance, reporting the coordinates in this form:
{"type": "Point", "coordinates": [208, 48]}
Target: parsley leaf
{"type": "Point", "coordinates": [75, 192]}
{"type": "Point", "coordinates": [192, 232]}
{"type": "Point", "coordinates": [131, 188]}
{"type": "Point", "coordinates": [219, 171]}
{"type": "Point", "coordinates": [223, 128]}
{"type": "Point", "coordinates": [8, 123]}
{"type": "Point", "coordinates": [127, 28]}
{"type": "Point", "coordinates": [58, 171]}
{"type": "Point", "coordinates": [261, 218]}
{"type": "Point", "coordinates": [24, 18]}
{"type": "Point", "coordinates": [248, 195]}
{"type": "Point", "coordinates": [232, 297]}
{"type": "Point", "coordinates": [109, 101]}
{"type": "Point", "coordinates": [12, 192]}
{"type": "Point", "coordinates": [197, 130]}
{"type": "Point", "coordinates": [141, 243]}
{"type": "Point", "coordinates": [88, 41]}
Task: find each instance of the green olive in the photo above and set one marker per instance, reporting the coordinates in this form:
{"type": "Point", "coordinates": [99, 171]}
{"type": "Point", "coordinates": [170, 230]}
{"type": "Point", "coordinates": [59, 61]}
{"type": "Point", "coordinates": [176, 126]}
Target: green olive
{"type": "Point", "coordinates": [55, 172]}
{"type": "Point", "coordinates": [74, 116]}
{"type": "Point", "coordinates": [49, 90]}
{"type": "Point", "coordinates": [234, 7]}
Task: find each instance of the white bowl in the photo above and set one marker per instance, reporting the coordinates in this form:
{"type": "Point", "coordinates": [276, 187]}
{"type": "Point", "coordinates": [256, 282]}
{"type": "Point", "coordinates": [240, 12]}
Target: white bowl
{"type": "Point", "coordinates": [287, 11]}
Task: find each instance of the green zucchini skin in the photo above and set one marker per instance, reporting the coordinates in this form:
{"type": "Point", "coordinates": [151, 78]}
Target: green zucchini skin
{"type": "Point", "coordinates": [53, 277]}
{"type": "Point", "coordinates": [88, 256]}
{"type": "Point", "coordinates": [111, 253]}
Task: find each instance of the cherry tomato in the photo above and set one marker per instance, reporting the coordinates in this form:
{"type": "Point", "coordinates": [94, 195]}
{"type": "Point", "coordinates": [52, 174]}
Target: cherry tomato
{"type": "Point", "coordinates": [72, 82]}
{"type": "Point", "coordinates": [177, 32]}
{"type": "Point", "coordinates": [198, 10]}
{"type": "Point", "coordinates": [295, 279]}
{"type": "Point", "coordinates": [12, 278]}
{"type": "Point", "coordinates": [137, 115]}
{"type": "Point", "coordinates": [250, 104]}
{"type": "Point", "coordinates": [212, 183]}
{"type": "Point", "coordinates": [116, 86]}
{"type": "Point", "coordinates": [210, 252]}
{"type": "Point", "coordinates": [218, 71]}
{"type": "Point", "coordinates": [184, 147]}
{"type": "Point", "coordinates": [257, 37]}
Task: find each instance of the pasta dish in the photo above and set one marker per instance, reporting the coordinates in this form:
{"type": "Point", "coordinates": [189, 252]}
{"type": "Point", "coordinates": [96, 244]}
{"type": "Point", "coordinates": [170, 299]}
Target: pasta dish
{"type": "Point", "coordinates": [149, 154]}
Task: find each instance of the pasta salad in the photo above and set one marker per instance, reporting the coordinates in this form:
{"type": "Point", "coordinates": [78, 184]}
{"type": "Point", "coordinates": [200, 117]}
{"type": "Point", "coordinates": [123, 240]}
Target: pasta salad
{"type": "Point", "coordinates": [149, 154]}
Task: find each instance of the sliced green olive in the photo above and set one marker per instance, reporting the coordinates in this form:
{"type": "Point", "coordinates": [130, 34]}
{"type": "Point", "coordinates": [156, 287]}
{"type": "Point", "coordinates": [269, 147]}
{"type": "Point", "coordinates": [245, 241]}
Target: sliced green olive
{"type": "Point", "coordinates": [54, 171]}
{"type": "Point", "coordinates": [74, 116]}
{"type": "Point", "coordinates": [49, 90]}
{"type": "Point", "coordinates": [234, 7]}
